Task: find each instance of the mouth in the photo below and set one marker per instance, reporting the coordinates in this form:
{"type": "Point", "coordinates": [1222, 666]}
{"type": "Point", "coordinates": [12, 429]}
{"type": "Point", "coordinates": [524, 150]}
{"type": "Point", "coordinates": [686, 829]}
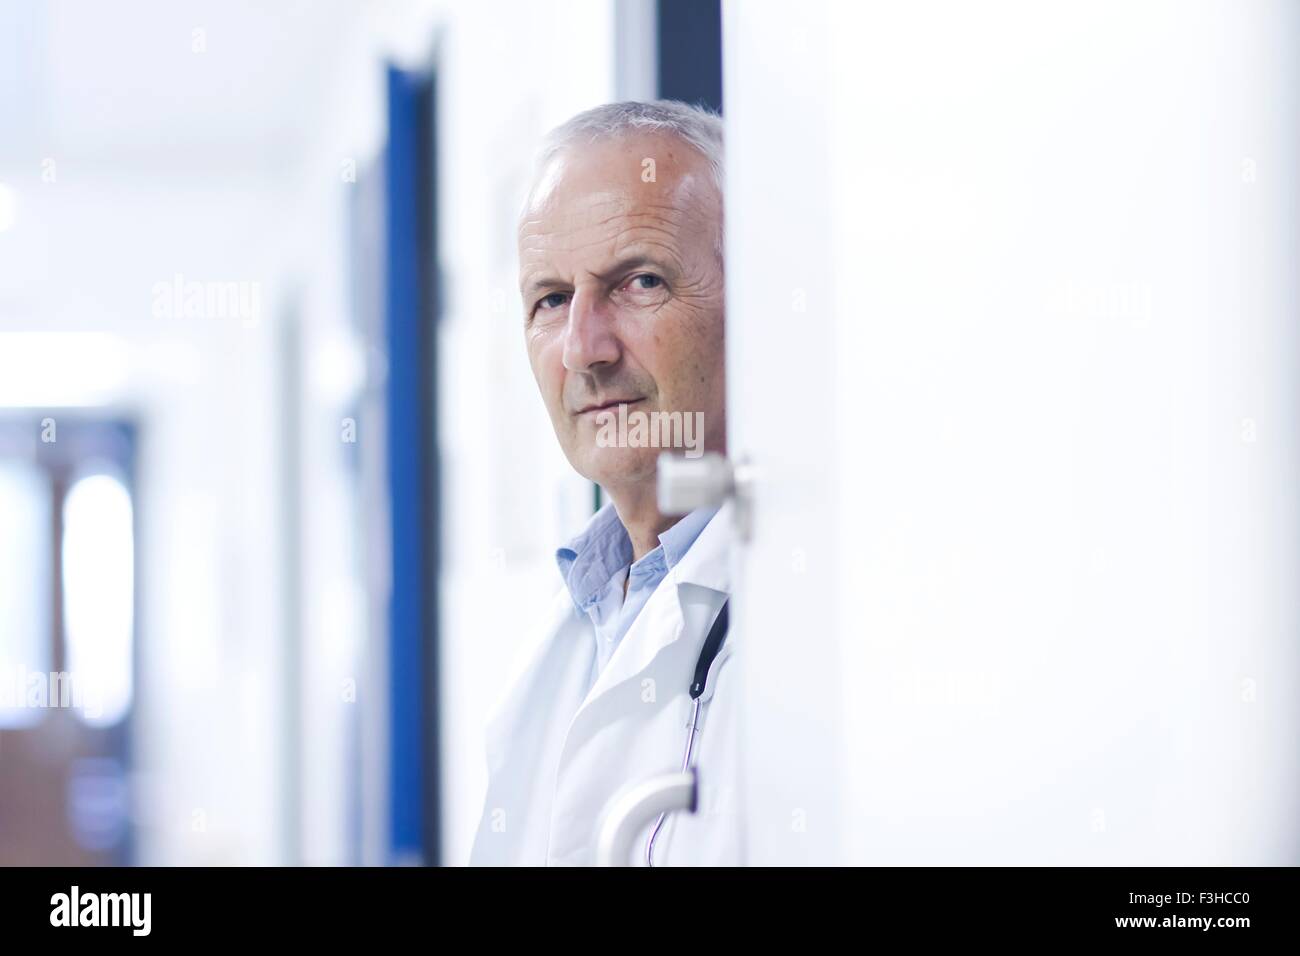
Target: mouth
{"type": "Point", "coordinates": [609, 406]}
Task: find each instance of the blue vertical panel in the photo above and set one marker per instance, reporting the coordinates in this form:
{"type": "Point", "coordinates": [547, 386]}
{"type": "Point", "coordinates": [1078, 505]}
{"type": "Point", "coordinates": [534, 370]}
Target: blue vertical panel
{"type": "Point", "coordinates": [690, 51]}
{"type": "Point", "coordinates": [407, 408]}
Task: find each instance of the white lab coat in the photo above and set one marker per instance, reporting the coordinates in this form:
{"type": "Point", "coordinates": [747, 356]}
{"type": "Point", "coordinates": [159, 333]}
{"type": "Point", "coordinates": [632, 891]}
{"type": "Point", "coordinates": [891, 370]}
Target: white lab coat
{"type": "Point", "coordinates": [557, 754]}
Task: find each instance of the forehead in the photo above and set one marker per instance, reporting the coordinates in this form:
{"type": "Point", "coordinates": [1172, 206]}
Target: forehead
{"type": "Point", "coordinates": [591, 201]}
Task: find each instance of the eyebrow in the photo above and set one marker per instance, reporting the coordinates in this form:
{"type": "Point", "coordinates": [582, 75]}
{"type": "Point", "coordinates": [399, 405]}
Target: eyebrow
{"type": "Point", "coordinates": [625, 264]}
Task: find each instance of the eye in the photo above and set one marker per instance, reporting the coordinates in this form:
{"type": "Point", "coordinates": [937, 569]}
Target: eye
{"type": "Point", "coordinates": [644, 290]}
{"type": "Point", "coordinates": [552, 301]}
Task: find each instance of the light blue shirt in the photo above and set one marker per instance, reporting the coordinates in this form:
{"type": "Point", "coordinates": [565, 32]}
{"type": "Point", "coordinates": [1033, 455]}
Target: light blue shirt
{"type": "Point", "coordinates": [595, 564]}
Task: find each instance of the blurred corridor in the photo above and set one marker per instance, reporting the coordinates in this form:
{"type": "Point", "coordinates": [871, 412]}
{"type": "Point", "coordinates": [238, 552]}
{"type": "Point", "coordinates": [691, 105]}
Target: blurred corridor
{"type": "Point", "coordinates": [205, 210]}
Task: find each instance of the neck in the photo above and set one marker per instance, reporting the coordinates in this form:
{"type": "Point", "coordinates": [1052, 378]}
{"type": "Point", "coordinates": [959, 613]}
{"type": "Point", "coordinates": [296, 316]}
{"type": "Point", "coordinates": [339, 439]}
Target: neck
{"type": "Point", "coordinates": [641, 517]}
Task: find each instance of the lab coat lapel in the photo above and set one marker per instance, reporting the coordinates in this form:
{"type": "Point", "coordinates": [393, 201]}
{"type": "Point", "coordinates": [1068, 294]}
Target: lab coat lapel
{"type": "Point", "coordinates": [524, 736]}
{"type": "Point", "coordinates": [661, 622]}
{"type": "Point", "coordinates": [549, 663]}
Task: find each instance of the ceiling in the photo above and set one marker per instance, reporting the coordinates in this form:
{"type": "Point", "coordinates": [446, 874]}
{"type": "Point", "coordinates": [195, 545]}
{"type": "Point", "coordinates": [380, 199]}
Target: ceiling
{"type": "Point", "coordinates": [152, 84]}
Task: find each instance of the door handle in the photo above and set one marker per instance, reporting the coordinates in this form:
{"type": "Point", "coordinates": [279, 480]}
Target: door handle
{"type": "Point", "coordinates": [684, 484]}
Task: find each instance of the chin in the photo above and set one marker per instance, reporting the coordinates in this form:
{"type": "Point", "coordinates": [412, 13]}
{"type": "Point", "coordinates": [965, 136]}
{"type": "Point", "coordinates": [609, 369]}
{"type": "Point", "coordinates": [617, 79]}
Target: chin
{"type": "Point", "coordinates": [611, 467]}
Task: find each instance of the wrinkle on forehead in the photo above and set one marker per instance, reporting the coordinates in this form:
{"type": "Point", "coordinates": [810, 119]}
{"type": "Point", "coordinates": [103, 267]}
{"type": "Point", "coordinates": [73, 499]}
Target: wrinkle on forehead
{"type": "Point", "coordinates": [601, 217]}
{"type": "Point", "coordinates": [596, 233]}
{"type": "Point", "coordinates": [682, 187]}
{"type": "Point", "coordinates": [597, 230]}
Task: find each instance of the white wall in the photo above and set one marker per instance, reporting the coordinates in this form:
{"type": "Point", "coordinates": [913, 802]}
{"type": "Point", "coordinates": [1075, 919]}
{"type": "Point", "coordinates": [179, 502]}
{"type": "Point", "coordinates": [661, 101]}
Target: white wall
{"type": "Point", "coordinates": [1057, 314]}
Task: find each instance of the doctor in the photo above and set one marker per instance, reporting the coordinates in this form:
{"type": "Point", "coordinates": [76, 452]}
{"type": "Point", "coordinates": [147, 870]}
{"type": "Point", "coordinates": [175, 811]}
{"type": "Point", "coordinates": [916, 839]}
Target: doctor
{"type": "Point", "coordinates": [621, 273]}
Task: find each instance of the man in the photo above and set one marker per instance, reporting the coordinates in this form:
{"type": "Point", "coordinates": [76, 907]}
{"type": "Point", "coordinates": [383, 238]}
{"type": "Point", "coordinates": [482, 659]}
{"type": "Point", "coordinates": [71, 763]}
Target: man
{"type": "Point", "coordinates": [621, 273]}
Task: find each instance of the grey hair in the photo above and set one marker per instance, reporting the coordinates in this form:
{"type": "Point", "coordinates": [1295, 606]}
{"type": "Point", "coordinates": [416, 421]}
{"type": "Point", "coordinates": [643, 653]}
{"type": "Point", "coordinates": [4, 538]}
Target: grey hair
{"type": "Point", "coordinates": [698, 127]}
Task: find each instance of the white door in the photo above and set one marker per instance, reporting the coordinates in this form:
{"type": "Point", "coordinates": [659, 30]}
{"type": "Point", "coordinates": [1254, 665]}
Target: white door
{"type": "Point", "coordinates": [1012, 333]}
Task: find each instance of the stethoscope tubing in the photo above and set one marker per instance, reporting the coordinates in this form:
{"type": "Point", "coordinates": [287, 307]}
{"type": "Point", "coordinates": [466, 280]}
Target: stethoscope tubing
{"type": "Point", "coordinates": [708, 653]}
{"type": "Point", "coordinates": [686, 765]}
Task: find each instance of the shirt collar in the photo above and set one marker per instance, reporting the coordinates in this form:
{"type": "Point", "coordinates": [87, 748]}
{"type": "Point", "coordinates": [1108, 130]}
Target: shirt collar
{"type": "Point", "coordinates": [677, 540]}
{"type": "Point", "coordinates": [589, 561]}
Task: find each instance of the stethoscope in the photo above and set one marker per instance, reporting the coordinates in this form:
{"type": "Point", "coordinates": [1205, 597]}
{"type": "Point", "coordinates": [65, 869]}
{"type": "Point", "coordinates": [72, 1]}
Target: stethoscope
{"type": "Point", "coordinates": [708, 653]}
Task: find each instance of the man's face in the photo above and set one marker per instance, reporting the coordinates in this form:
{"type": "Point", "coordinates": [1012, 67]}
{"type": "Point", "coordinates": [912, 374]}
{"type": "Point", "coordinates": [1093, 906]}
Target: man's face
{"type": "Point", "coordinates": [622, 289]}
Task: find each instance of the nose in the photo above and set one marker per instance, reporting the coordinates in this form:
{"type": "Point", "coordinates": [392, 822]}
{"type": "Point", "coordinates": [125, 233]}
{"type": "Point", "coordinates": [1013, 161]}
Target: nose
{"type": "Point", "coordinates": [590, 340]}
